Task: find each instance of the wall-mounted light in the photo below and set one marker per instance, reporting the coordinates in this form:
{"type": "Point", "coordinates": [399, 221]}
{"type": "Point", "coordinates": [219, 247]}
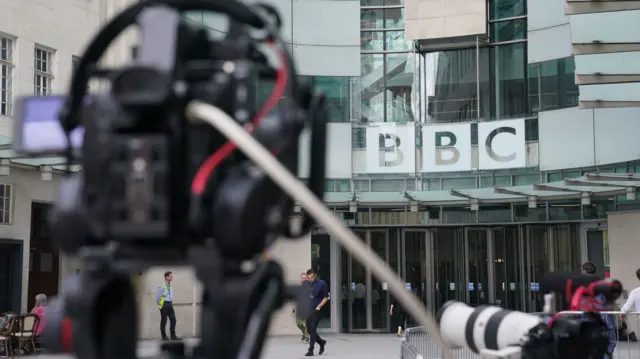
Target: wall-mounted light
{"type": "Point", "coordinates": [5, 167]}
{"type": "Point", "coordinates": [413, 206]}
{"type": "Point", "coordinates": [632, 194]}
{"type": "Point", "coordinates": [533, 202]}
{"type": "Point", "coordinates": [46, 173]}
{"type": "Point", "coordinates": [353, 207]}
{"type": "Point", "coordinates": [585, 199]}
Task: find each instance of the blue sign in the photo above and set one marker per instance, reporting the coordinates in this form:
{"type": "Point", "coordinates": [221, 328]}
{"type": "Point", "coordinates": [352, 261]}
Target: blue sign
{"type": "Point", "coordinates": [408, 286]}
{"type": "Point", "coordinates": [353, 286]}
{"type": "Point", "coordinates": [471, 286]}
{"type": "Point", "coordinates": [534, 287]}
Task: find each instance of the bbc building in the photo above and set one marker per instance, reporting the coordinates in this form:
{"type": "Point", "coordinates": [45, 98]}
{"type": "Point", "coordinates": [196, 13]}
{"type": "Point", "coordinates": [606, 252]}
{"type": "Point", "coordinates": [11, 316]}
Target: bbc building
{"type": "Point", "coordinates": [474, 145]}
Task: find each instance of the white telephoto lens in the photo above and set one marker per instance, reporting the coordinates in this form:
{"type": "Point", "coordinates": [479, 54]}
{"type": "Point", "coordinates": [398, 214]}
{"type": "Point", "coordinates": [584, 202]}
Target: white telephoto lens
{"type": "Point", "coordinates": [483, 327]}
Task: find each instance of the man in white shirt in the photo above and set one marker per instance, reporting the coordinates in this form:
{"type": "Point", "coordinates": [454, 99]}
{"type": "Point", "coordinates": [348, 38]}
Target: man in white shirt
{"type": "Point", "coordinates": [633, 301]}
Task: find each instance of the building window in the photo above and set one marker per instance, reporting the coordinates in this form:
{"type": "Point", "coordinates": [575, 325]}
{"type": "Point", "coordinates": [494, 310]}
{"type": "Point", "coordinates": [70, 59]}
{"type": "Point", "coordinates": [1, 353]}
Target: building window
{"type": "Point", "coordinates": [509, 64]}
{"type": "Point", "coordinates": [337, 90]}
{"type": "Point", "coordinates": [552, 85]}
{"type": "Point", "coordinates": [6, 67]}
{"type": "Point", "coordinates": [43, 75]}
{"type": "Point", "coordinates": [6, 203]}
{"type": "Point", "coordinates": [502, 9]}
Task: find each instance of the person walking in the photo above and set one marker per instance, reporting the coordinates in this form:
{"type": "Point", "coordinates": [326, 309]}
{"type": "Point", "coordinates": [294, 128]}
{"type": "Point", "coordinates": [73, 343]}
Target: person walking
{"type": "Point", "coordinates": [164, 300]}
{"type": "Point", "coordinates": [319, 297]}
{"type": "Point", "coordinates": [300, 321]}
{"type": "Point", "coordinates": [589, 269]}
{"type": "Point", "coordinates": [399, 315]}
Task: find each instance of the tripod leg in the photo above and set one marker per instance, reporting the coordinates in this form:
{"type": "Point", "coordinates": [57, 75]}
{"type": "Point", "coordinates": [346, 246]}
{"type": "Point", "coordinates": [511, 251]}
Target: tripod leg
{"type": "Point", "coordinates": [116, 312]}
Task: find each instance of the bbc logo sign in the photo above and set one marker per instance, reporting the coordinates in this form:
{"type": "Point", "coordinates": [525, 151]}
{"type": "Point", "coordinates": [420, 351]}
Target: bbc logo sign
{"type": "Point", "coordinates": [391, 148]}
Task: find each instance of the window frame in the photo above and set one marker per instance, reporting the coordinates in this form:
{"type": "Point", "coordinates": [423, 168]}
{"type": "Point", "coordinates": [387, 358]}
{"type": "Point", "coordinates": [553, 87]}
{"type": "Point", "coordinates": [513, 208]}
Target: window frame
{"type": "Point", "coordinates": [41, 77]}
{"type": "Point", "coordinates": [8, 212]}
{"type": "Point", "coordinates": [8, 64]}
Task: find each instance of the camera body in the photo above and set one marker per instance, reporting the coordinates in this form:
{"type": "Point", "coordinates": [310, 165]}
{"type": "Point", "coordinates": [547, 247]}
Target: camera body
{"type": "Point", "coordinates": [142, 157]}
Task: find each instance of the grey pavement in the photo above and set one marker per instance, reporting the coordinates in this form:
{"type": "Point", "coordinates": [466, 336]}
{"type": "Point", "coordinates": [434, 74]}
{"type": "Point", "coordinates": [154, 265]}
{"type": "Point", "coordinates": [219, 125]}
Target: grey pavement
{"type": "Point", "coordinates": [339, 346]}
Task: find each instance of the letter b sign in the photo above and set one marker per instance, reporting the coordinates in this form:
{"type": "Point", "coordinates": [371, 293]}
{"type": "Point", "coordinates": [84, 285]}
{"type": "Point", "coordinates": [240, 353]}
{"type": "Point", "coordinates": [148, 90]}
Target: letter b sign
{"type": "Point", "coordinates": [390, 148]}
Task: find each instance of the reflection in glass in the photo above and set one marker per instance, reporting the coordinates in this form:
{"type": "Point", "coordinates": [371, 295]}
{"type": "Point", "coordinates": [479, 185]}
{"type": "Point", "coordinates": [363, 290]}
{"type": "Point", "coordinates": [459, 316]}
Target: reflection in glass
{"type": "Point", "coordinates": [557, 84]}
{"type": "Point", "coordinates": [537, 265]}
{"type": "Point", "coordinates": [494, 213]}
{"type": "Point", "coordinates": [379, 296]}
{"type": "Point", "coordinates": [394, 18]}
{"type": "Point", "coordinates": [565, 210]}
{"type": "Point", "coordinates": [566, 255]}
{"type": "Point", "coordinates": [508, 30]}
{"type": "Point", "coordinates": [599, 208]}
{"type": "Point", "coordinates": [371, 19]}
{"type": "Point", "coordinates": [400, 88]}
{"type": "Point", "coordinates": [522, 213]}
{"type": "Point", "coordinates": [452, 85]}
{"type": "Point", "coordinates": [321, 264]}
{"type": "Point", "coordinates": [394, 40]}
{"type": "Point", "coordinates": [336, 90]}
{"type": "Point", "coordinates": [500, 9]}
{"type": "Point", "coordinates": [372, 40]}
{"type": "Point", "coordinates": [358, 290]}
{"type": "Point", "coordinates": [510, 84]}
{"type": "Point", "coordinates": [448, 260]}
{"type": "Point", "coordinates": [478, 285]}
{"type": "Point", "coordinates": [596, 251]}
{"type": "Point", "coordinates": [509, 284]}
{"type": "Point", "coordinates": [415, 270]}
{"type": "Point", "coordinates": [372, 87]}
{"type": "Point", "coordinates": [533, 89]}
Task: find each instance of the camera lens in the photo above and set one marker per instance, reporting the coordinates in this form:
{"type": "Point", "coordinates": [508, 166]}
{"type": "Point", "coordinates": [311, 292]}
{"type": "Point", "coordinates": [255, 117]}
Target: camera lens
{"type": "Point", "coordinates": [483, 327]}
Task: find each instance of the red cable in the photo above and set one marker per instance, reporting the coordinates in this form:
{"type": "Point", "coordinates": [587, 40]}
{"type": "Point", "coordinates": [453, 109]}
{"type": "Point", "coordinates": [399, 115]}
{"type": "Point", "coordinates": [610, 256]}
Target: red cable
{"type": "Point", "coordinates": [201, 178]}
{"type": "Point", "coordinates": [66, 335]}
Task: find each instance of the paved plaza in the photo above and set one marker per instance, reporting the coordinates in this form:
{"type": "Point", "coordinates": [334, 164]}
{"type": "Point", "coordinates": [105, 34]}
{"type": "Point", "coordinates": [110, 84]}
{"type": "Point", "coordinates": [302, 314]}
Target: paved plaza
{"type": "Point", "coordinates": [350, 346]}
{"type": "Point", "coordinates": [339, 346]}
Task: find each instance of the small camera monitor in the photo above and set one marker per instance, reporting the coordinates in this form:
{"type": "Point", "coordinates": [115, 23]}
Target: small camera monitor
{"type": "Point", "coordinates": [37, 128]}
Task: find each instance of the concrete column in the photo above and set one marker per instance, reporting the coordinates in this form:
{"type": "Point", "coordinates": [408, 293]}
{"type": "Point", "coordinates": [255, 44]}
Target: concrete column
{"type": "Point", "coordinates": [624, 251]}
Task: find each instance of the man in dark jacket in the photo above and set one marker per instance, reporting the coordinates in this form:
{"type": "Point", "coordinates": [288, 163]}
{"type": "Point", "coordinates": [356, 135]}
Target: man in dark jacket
{"type": "Point", "coordinates": [319, 298]}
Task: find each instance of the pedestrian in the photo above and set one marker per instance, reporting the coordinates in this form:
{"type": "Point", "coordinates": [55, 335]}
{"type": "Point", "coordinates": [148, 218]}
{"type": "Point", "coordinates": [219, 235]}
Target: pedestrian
{"type": "Point", "coordinates": [164, 300]}
{"type": "Point", "coordinates": [399, 315]}
{"type": "Point", "coordinates": [300, 320]}
{"type": "Point", "coordinates": [319, 297]}
{"type": "Point", "coordinates": [633, 301]}
{"type": "Point", "coordinates": [589, 269]}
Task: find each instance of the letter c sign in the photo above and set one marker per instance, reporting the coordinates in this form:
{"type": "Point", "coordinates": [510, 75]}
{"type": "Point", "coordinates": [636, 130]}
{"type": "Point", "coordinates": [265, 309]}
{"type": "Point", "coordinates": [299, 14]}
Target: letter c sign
{"type": "Point", "coordinates": [501, 144]}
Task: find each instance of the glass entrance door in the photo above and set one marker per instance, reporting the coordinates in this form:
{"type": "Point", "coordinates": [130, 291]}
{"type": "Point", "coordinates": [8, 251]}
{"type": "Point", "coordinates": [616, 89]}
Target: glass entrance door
{"type": "Point", "coordinates": [366, 303]}
{"type": "Point", "coordinates": [477, 245]}
{"type": "Point", "coordinates": [414, 269]}
{"type": "Point", "coordinates": [537, 256]}
{"type": "Point", "coordinates": [508, 268]}
{"type": "Point", "coordinates": [449, 275]}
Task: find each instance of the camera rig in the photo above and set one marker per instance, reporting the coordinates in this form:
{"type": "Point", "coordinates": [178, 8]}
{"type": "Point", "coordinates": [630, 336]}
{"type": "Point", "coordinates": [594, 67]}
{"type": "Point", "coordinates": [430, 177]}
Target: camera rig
{"type": "Point", "coordinates": [159, 187]}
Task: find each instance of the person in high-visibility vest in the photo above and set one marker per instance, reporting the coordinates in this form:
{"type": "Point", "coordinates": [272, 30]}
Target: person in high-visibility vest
{"type": "Point", "coordinates": [164, 300]}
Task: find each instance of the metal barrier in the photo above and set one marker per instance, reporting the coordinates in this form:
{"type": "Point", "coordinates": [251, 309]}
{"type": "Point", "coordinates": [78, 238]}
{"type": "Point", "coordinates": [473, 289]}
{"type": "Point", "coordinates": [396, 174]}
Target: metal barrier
{"type": "Point", "coordinates": [417, 344]}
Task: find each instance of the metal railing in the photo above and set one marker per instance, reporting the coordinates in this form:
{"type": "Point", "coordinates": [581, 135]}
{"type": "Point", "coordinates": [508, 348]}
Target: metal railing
{"type": "Point", "coordinates": [417, 343]}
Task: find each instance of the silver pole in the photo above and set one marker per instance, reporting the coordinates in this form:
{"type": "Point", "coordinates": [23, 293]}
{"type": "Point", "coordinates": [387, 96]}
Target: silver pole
{"type": "Point", "coordinates": [477, 78]}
